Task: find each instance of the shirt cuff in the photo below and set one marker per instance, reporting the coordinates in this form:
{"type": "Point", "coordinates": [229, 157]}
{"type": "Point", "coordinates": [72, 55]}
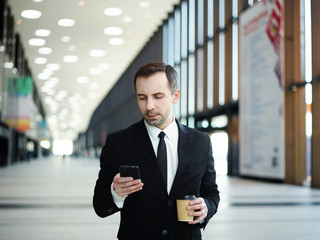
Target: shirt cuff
{"type": "Point", "coordinates": [119, 201]}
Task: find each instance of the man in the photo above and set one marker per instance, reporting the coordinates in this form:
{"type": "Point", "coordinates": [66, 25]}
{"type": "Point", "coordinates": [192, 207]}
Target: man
{"type": "Point", "coordinates": [148, 205]}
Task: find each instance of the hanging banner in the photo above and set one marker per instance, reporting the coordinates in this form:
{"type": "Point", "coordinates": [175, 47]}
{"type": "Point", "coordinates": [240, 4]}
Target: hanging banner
{"type": "Point", "coordinates": [261, 92]}
{"type": "Point", "coordinates": [19, 103]}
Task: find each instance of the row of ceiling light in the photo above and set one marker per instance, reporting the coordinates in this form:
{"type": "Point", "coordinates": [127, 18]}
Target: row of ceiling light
{"type": "Point", "coordinates": [50, 82]}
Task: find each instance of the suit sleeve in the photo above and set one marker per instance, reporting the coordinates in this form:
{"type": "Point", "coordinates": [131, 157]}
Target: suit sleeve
{"type": "Point", "coordinates": [102, 199]}
{"type": "Point", "coordinates": [209, 189]}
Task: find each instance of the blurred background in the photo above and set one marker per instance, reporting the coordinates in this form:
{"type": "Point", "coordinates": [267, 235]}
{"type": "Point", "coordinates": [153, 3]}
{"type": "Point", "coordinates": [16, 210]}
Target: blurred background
{"type": "Point", "coordinates": [249, 77]}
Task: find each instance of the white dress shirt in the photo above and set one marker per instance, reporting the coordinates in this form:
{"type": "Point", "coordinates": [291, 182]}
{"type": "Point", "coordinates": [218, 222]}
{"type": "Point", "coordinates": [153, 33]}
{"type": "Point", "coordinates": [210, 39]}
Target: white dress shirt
{"type": "Point", "coordinates": [171, 139]}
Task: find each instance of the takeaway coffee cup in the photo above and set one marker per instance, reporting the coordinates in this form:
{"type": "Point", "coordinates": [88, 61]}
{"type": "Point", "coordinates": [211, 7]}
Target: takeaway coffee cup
{"type": "Point", "coordinates": [182, 204]}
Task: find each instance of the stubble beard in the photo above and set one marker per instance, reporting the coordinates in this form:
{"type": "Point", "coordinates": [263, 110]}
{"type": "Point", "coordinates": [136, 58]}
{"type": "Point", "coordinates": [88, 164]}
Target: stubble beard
{"type": "Point", "coordinates": [154, 122]}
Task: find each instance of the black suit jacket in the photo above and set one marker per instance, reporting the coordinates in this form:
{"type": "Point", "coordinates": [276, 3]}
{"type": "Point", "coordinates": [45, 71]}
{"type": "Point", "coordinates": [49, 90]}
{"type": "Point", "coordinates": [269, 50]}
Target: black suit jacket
{"type": "Point", "coordinates": [151, 213]}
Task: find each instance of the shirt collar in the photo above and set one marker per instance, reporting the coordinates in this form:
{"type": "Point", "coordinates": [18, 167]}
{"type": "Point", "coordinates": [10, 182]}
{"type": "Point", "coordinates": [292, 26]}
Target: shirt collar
{"type": "Point", "coordinates": [170, 131]}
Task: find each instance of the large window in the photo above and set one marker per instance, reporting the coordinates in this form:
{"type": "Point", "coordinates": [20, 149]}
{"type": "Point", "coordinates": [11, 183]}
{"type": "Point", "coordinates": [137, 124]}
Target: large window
{"type": "Point", "coordinates": [210, 34]}
{"type": "Point", "coordinates": [200, 87]}
{"type": "Point", "coordinates": [184, 88]}
{"type": "Point", "coordinates": [171, 41]}
{"type": "Point", "coordinates": [189, 45]}
{"type": "Point", "coordinates": [192, 26]}
{"type": "Point", "coordinates": [191, 107]}
{"type": "Point", "coordinates": [221, 54]}
{"type": "Point", "coordinates": [184, 30]}
{"type": "Point", "coordinates": [191, 58]}
{"type": "Point", "coordinates": [200, 24]}
{"type": "Point", "coordinates": [177, 34]}
{"type": "Point", "coordinates": [235, 51]}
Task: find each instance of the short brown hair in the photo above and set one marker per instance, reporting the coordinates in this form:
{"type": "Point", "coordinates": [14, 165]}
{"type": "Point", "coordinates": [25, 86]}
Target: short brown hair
{"type": "Point", "coordinates": [153, 68]}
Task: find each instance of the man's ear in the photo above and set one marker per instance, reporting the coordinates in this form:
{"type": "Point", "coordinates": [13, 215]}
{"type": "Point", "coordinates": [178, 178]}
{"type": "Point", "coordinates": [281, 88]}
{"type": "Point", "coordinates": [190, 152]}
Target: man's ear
{"type": "Point", "coordinates": [176, 96]}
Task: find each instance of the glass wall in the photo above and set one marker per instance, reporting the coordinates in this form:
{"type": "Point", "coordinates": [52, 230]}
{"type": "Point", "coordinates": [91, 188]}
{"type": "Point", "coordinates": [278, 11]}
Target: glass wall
{"type": "Point", "coordinates": [188, 44]}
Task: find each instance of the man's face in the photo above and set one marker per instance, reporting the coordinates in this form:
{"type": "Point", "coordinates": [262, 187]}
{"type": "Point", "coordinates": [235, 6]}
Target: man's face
{"type": "Point", "coordinates": [156, 100]}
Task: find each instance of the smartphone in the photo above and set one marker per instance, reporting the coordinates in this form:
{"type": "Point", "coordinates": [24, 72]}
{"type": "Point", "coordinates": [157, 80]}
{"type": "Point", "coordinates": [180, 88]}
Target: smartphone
{"type": "Point", "coordinates": [129, 171]}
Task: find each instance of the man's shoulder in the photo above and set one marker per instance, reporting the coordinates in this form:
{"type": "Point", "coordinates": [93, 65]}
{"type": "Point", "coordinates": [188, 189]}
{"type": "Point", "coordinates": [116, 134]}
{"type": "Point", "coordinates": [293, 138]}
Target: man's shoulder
{"type": "Point", "coordinates": [193, 131]}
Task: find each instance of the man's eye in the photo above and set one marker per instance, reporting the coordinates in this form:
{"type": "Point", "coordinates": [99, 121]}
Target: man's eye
{"type": "Point", "coordinates": [159, 96]}
{"type": "Point", "coordinates": [141, 98]}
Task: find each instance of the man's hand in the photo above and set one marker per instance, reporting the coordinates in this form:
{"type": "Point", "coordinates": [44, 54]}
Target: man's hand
{"type": "Point", "coordinates": [200, 210]}
{"type": "Point", "coordinates": [124, 186]}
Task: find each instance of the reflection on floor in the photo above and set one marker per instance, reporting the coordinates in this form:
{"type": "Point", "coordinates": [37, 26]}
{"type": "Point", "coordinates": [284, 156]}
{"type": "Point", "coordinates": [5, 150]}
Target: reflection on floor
{"type": "Point", "coordinates": [51, 199]}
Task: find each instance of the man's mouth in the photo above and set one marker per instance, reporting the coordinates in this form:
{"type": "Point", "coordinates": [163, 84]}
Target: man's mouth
{"type": "Point", "coordinates": [152, 115]}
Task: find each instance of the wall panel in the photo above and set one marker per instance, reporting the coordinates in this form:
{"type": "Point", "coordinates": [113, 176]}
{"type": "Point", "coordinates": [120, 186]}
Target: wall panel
{"type": "Point", "coordinates": [295, 152]}
{"type": "Point", "coordinates": [315, 9]}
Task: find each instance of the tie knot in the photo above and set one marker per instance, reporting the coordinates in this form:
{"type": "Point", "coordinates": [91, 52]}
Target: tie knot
{"type": "Point", "coordinates": [161, 135]}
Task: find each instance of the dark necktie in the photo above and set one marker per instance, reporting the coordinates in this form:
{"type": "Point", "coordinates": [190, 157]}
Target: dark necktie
{"type": "Point", "coordinates": [162, 156]}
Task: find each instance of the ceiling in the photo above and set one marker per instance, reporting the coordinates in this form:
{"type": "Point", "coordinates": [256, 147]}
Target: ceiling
{"type": "Point", "coordinates": [76, 66]}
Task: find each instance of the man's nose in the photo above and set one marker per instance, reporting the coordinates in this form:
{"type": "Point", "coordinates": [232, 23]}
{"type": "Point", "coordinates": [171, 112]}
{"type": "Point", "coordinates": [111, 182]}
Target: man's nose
{"type": "Point", "coordinates": [150, 104]}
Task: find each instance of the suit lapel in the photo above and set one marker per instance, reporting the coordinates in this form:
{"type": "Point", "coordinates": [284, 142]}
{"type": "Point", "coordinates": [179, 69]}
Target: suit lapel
{"type": "Point", "coordinates": [183, 153]}
{"type": "Point", "coordinates": [143, 142]}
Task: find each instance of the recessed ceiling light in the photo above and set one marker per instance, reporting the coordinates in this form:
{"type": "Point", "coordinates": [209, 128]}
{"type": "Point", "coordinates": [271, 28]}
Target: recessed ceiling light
{"type": "Point", "coordinates": [51, 92]}
{"type": "Point", "coordinates": [72, 48]}
{"type": "Point", "coordinates": [64, 111]}
{"type": "Point", "coordinates": [116, 41]}
{"type": "Point", "coordinates": [37, 0]}
{"type": "Point", "coordinates": [36, 42]}
{"type": "Point", "coordinates": [144, 4]}
{"type": "Point", "coordinates": [127, 19]}
{"type": "Point", "coordinates": [48, 91]}
{"type": "Point", "coordinates": [48, 71]}
{"type": "Point", "coordinates": [45, 89]}
{"type": "Point", "coordinates": [82, 79]}
{"type": "Point", "coordinates": [62, 93]}
{"type": "Point", "coordinates": [70, 59]}
{"type": "Point", "coordinates": [64, 125]}
{"type": "Point", "coordinates": [43, 76]}
{"type": "Point", "coordinates": [92, 95]}
{"type": "Point", "coordinates": [45, 50]}
{"type": "Point", "coordinates": [52, 81]}
{"type": "Point", "coordinates": [65, 39]}
{"type": "Point", "coordinates": [52, 119]}
{"type": "Point", "coordinates": [40, 60]}
{"type": "Point", "coordinates": [97, 53]}
{"type": "Point", "coordinates": [77, 95]}
{"type": "Point", "coordinates": [58, 97]}
{"type": "Point", "coordinates": [53, 108]}
{"type": "Point", "coordinates": [113, 31]}
{"type": "Point", "coordinates": [66, 22]}
{"type": "Point", "coordinates": [53, 66]}
{"type": "Point", "coordinates": [95, 71]}
{"type": "Point", "coordinates": [31, 14]}
{"type": "Point", "coordinates": [48, 100]}
{"type": "Point", "coordinates": [42, 33]}
{"type": "Point", "coordinates": [112, 11]}
{"type": "Point", "coordinates": [8, 65]}
{"type": "Point", "coordinates": [104, 66]}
